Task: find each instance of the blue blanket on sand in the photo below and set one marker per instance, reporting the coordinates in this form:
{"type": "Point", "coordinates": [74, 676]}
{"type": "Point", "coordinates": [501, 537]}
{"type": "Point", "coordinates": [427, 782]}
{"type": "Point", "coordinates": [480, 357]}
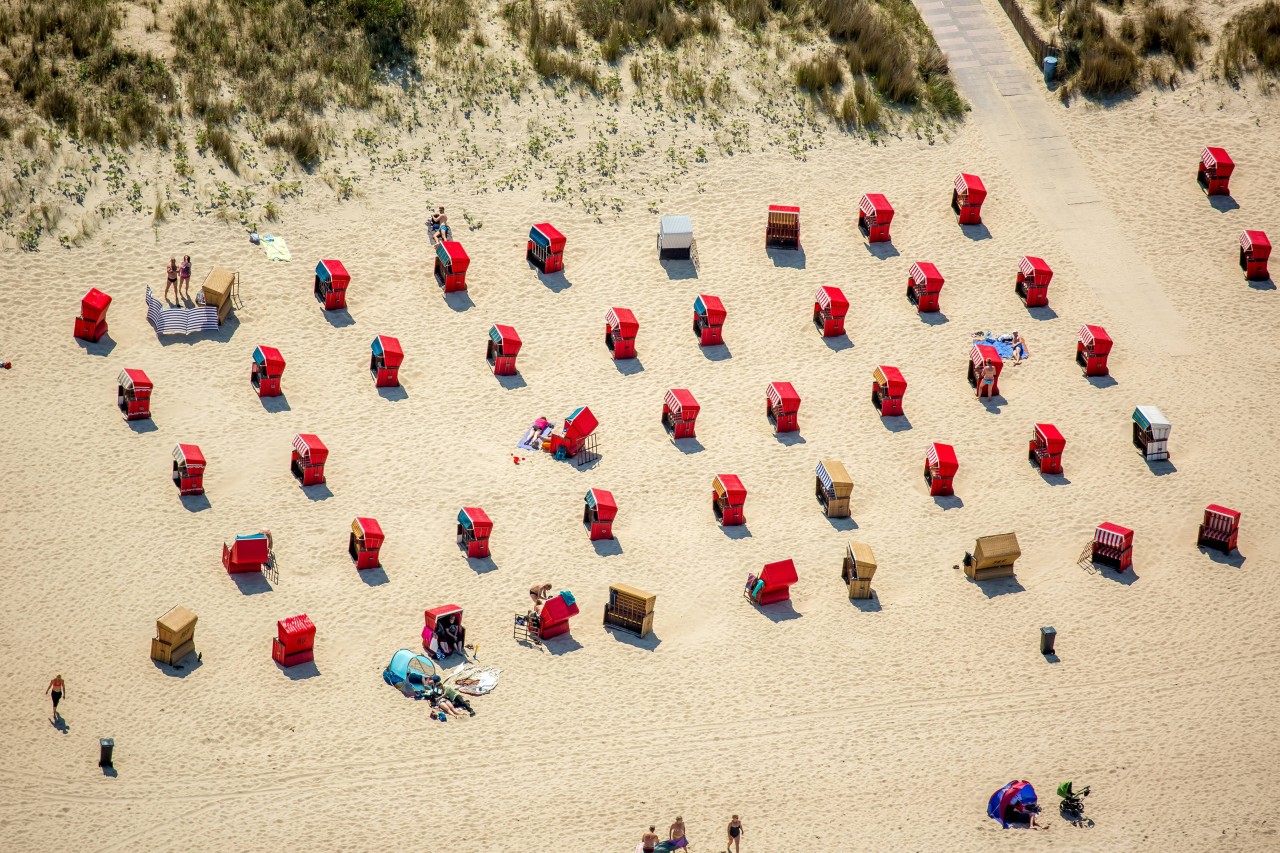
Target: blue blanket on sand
{"type": "Point", "coordinates": [1004, 348]}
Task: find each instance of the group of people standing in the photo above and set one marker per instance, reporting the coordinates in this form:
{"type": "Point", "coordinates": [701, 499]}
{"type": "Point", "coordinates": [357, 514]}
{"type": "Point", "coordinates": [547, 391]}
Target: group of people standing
{"type": "Point", "coordinates": [678, 838]}
{"type": "Point", "coordinates": [178, 276]}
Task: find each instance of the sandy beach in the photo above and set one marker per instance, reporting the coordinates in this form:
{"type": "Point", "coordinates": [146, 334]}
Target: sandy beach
{"type": "Point", "coordinates": [827, 724]}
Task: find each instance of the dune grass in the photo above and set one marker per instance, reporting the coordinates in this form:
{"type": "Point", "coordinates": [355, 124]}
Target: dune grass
{"type": "Point", "coordinates": [1251, 42]}
{"type": "Point", "coordinates": [63, 63]}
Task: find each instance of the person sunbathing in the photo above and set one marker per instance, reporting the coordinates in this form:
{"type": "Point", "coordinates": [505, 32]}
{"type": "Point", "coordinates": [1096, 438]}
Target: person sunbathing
{"type": "Point", "coordinates": [438, 226]}
{"type": "Point", "coordinates": [1019, 344]}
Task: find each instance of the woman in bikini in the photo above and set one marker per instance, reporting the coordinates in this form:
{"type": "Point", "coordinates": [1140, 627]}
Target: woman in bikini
{"type": "Point", "coordinates": [58, 688]}
{"type": "Point", "coordinates": [735, 835]}
{"type": "Point", "coordinates": [184, 275]}
{"type": "Point", "coordinates": [171, 279]}
{"type": "Point", "coordinates": [988, 380]}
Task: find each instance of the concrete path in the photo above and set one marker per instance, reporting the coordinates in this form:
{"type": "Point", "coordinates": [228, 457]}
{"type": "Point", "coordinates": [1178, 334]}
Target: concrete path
{"type": "Point", "coordinates": [1007, 95]}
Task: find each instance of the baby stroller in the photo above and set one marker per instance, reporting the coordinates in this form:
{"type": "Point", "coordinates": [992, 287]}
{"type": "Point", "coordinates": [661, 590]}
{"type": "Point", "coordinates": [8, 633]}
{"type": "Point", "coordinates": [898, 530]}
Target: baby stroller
{"type": "Point", "coordinates": [1072, 801]}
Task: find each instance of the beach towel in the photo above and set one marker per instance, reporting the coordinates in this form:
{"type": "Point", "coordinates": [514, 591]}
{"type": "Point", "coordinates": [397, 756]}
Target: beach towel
{"type": "Point", "coordinates": [276, 248]}
{"type": "Point", "coordinates": [526, 443]}
{"type": "Point", "coordinates": [1003, 348]}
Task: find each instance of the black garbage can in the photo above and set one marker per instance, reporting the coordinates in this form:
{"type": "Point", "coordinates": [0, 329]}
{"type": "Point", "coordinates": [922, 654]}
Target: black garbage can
{"type": "Point", "coordinates": [105, 747]}
{"type": "Point", "coordinates": [1047, 636]}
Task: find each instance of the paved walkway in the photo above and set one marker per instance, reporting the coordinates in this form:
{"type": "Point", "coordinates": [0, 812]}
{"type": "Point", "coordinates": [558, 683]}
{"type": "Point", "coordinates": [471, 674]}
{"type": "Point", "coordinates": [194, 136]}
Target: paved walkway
{"type": "Point", "coordinates": [1007, 95]}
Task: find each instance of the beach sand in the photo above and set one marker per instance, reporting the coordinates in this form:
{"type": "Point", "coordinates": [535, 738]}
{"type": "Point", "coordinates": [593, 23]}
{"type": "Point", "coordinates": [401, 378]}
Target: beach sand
{"type": "Point", "coordinates": [826, 724]}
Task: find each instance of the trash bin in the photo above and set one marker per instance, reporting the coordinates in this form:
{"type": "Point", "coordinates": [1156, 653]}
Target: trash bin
{"type": "Point", "coordinates": [1050, 68]}
{"type": "Point", "coordinates": [105, 747]}
{"type": "Point", "coordinates": [1047, 636]}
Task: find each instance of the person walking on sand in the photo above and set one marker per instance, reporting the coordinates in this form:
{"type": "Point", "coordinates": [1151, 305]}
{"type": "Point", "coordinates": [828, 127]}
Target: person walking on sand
{"type": "Point", "coordinates": [735, 835]}
{"type": "Point", "coordinates": [649, 840]}
{"type": "Point", "coordinates": [184, 276]}
{"type": "Point", "coordinates": [676, 835]}
{"type": "Point", "coordinates": [171, 279]}
{"type": "Point", "coordinates": [988, 380]}
{"type": "Point", "coordinates": [58, 688]}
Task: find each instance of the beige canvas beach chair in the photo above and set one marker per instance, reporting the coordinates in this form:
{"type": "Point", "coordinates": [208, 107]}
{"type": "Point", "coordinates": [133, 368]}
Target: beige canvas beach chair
{"type": "Point", "coordinates": [992, 557]}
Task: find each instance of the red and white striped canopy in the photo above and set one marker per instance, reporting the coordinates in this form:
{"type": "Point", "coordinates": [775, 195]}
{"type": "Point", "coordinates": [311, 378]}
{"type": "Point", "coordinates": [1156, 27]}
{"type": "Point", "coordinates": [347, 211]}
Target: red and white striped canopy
{"type": "Point", "coordinates": [1257, 243]}
{"type": "Point", "coordinates": [1051, 437]}
{"type": "Point", "coordinates": [1220, 518]}
{"type": "Point", "coordinates": [1096, 337]}
{"type": "Point", "coordinates": [926, 275]}
{"type": "Point", "coordinates": [310, 447]}
{"type": "Point", "coordinates": [832, 299]}
{"type": "Point", "coordinates": [623, 320]}
{"type": "Point", "coordinates": [189, 455]}
{"type": "Point", "coordinates": [133, 379]}
{"type": "Point", "coordinates": [876, 206]}
{"type": "Point", "coordinates": [1036, 268]}
{"type": "Point", "coordinates": [784, 396]}
{"type": "Point", "coordinates": [891, 378]}
{"type": "Point", "coordinates": [681, 404]}
{"type": "Point", "coordinates": [1217, 159]}
{"type": "Point", "coordinates": [971, 186]}
{"type": "Point", "coordinates": [943, 458]}
{"type": "Point", "coordinates": [979, 354]}
{"type": "Point", "coordinates": [1113, 535]}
